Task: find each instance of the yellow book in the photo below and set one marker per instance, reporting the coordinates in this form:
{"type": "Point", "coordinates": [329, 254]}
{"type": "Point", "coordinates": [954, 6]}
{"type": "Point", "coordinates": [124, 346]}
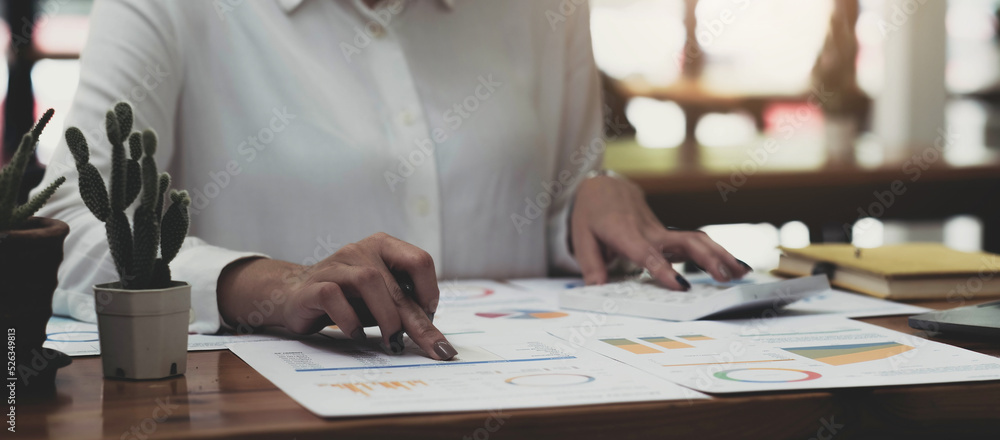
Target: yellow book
{"type": "Point", "coordinates": [906, 271]}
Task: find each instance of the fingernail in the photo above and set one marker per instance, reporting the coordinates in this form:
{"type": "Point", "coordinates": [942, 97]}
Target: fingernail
{"type": "Point", "coordinates": [747, 266]}
{"type": "Point", "coordinates": [683, 282]}
{"type": "Point", "coordinates": [396, 345]}
{"type": "Point", "coordinates": [725, 272]}
{"type": "Point", "coordinates": [359, 335]}
{"type": "Point", "coordinates": [444, 350]}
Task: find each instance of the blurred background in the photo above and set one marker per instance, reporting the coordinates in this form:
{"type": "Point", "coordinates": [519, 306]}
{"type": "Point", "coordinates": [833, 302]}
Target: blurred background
{"type": "Point", "coordinates": [764, 122]}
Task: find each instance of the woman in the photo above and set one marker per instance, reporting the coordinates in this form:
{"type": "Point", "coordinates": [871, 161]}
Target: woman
{"type": "Point", "coordinates": [346, 140]}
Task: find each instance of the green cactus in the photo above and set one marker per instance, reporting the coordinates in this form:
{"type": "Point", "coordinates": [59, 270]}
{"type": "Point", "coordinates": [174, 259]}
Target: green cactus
{"type": "Point", "coordinates": [13, 216]}
{"type": "Point", "coordinates": [134, 246]}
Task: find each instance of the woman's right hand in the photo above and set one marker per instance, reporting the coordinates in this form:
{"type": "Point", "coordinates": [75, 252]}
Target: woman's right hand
{"type": "Point", "coordinates": [355, 287]}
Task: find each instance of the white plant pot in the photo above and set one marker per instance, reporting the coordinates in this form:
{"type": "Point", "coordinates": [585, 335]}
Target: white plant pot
{"type": "Point", "coordinates": [143, 333]}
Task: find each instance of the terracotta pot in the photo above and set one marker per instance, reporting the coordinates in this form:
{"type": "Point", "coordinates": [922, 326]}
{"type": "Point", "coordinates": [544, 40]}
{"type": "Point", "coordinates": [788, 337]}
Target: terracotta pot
{"type": "Point", "coordinates": [143, 332]}
{"type": "Point", "coordinates": [29, 267]}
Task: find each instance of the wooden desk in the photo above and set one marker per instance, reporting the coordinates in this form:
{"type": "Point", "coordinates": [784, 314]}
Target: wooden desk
{"type": "Point", "coordinates": [222, 397]}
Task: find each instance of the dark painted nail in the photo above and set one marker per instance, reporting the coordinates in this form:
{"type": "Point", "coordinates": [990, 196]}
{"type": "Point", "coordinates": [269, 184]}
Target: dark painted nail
{"type": "Point", "coordinates": [444, 350]}
{"type": "Point", "coordinates": [747, 266]}
{"type": "Point", "coordinates": [683, 282]}
{"type": "Point", "coordinates": [359, 335]}
{"type": "Point", "coordinates": [396, 345]}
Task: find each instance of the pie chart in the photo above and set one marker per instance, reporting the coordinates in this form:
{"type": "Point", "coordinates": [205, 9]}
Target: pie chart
{"type": "Point", "coordinates": [459, 292]}
{"type": "Point", "coordinates": [550, 380]}
{"type": "Point", "coordinates": [522, 314]}
{"type": "Point", "coordinates": [72, 336]}
{"type": "Point", "coordinates": [767, 375]}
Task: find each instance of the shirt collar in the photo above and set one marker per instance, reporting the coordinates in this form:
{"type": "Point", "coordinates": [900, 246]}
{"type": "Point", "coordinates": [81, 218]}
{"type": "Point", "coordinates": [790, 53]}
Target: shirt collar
{"type": "Point", "coordinates": [289, 5]}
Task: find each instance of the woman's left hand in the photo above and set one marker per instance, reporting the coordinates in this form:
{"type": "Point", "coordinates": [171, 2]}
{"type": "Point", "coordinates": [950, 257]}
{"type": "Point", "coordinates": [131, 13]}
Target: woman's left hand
{"type": "Point", "coordinates": [610, 217]}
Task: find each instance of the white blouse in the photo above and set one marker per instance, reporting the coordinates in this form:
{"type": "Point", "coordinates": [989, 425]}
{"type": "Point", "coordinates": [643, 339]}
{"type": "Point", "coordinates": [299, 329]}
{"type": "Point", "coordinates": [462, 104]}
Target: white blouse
{"type": "Point", "coordinates": [299, 126]}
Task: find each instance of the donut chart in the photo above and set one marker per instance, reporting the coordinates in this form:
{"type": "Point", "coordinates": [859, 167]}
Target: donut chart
{"type": "Point", "coordinates": [767, 375]}
{"type": "Point", "coordinates": [545, 380]}
{"type": "Point", "coordinates": [72, 336]}
{"type": "Point", "coordinates": [461, 292]}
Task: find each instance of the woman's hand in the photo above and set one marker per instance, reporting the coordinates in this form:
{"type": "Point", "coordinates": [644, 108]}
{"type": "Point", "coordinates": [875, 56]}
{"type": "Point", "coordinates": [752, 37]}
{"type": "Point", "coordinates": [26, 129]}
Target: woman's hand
{"type": "Point", "coordinates": [353, 288]}
{"type": "Point", "coordinates": [610, 217]}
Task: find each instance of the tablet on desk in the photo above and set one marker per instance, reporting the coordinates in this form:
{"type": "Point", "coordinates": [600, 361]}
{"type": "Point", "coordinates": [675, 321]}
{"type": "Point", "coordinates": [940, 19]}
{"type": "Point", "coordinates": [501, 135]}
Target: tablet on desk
{"type": "Point", "coordinates": [979, 320]}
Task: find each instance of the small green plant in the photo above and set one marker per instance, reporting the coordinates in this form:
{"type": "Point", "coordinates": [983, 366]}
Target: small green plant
{"type": "Point", "coordinates": [13, 216]}
{"type": "Point", "coordinates": [133, 246]}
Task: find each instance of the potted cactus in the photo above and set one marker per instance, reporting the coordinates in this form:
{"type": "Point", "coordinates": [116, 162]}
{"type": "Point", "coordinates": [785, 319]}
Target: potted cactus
{"type": "Point", "coordinates": [31, 250]}
{"type": "Point", "coordinates": [142, 318]}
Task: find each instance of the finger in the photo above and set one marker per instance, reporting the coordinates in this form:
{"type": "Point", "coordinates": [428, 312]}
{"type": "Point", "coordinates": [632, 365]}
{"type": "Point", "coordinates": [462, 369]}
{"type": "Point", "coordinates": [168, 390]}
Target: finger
{"type": "Point", "coordinates": [361, 309]}
{"type": "Point", "coordinates": [367, 282]}
{"type": "Point", "coordinates": [589, 256]}
{"type": "Point", "coordinates": [418, 264]}
{"type": "Point", "coordinates": [423, 332]}
{"type": "Point", "coordinates": [699, 252]}
{"type": "Point", "coordinates": [329, 298]}
{"type": "Point", "coordinates": [415, 317]}
{"type": "Point", "coordinates": [708, 254]}
{"type": "Point", "coordinates": [641, 252]}
{"type": "Point", "coordinates": [735, 266]}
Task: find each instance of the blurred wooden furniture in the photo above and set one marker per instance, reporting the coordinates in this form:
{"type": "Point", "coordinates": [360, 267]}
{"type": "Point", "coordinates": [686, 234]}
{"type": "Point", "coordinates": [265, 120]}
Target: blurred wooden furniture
{"type": "Point", "coordinates": [829, 201]}
{"type": "Point", "coordinates": [695, 100]}
{"type": "Point", "coordinates": [222, 397]}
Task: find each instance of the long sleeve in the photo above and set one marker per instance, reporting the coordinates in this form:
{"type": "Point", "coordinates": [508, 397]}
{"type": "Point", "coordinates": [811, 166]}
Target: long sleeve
{"type": "Point", "coordinates": [131, 55]}
{"type": "Point", "coordinates": [582, 143]}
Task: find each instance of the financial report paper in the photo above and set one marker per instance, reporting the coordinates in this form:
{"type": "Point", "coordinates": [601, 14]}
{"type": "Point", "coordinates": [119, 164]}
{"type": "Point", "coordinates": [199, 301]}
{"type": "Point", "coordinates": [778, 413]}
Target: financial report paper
{"type": "Point", "coordinates": [785, 354]}
{"type": "Point", "coordinates": [493, 371]}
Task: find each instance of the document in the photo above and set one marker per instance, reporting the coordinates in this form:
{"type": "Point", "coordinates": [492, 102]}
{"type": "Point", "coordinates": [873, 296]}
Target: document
{"type": "Point", "coordinates": [547, 289]}
{"type": "Point", "coordinates": [78, 338]}
{"type": "Point", "coordinates": [785, 354]}
{"type": "Point", "coordinates": [479, 305]}
{"type": "Point", "coordinates": [850, 305]}
{"type": "Point", "coordinates": [494, 371]}
{"type": "Point", "coordinates": [525, 314]}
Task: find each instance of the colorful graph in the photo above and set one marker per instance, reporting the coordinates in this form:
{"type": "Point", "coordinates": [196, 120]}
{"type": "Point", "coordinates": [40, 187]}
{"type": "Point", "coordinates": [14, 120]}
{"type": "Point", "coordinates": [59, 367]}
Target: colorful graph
{"type": "Point", "coordinates": [767, 375]}
{"type": "Point", "coordinates": [522, 314]}
{"type": "Point", "coordinates": [852, 353]}
{"type": "Point", "coordinates": [728, 363]}
{"type": "Point", "coordinates": [550, 380]}
{"type": "Point", "coordinates": [666, 342]}
{"type": "Point", "coordinates": [630, 346]}
{"type": "Point", "coordinates": [695, 337]}
{"type": "Point", "coordinates": [365, 388]}
{"type": "Point", "coordinates": [74, 336]}
{"type": "Point", "coordinates": [462, 292]}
